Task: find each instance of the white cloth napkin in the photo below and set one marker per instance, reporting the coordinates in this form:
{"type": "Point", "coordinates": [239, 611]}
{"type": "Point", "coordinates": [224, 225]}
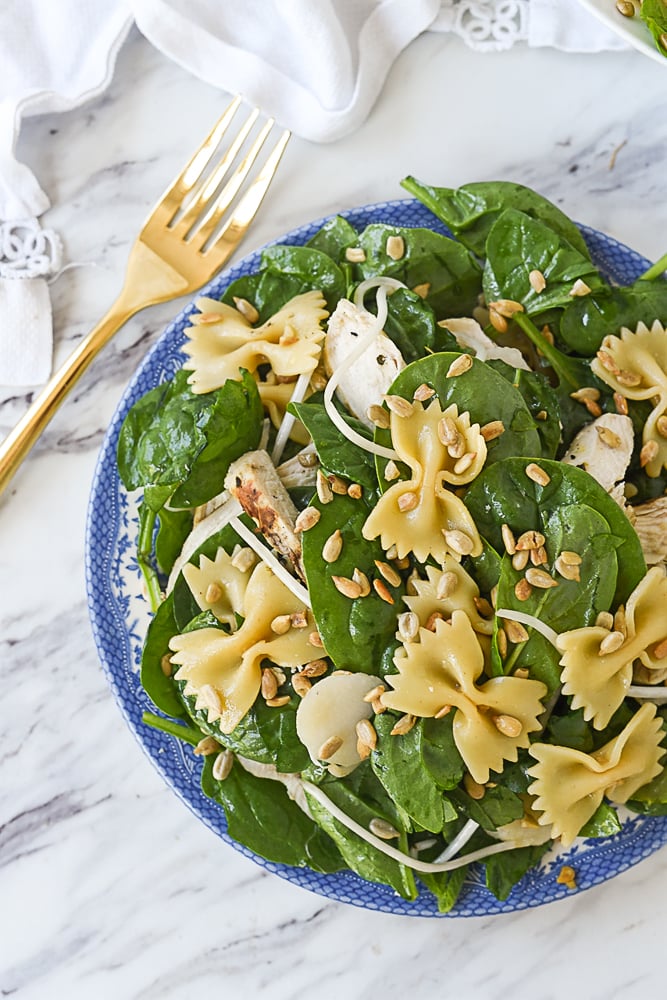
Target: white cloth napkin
{"type": "Point", "coordinates": [318, 66]}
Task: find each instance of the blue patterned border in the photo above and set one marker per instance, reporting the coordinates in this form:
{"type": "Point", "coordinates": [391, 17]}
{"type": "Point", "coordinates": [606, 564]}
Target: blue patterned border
{"type": "Point", "coordinates": [119, 616]}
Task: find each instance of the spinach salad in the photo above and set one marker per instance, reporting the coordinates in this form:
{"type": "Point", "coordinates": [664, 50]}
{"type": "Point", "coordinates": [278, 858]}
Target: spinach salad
{"type": "Point", "coordinates": [403, 531]}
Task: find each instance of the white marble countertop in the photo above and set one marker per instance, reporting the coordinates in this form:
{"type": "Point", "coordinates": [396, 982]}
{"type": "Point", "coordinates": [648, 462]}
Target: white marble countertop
{"type": "Point", "coordinates": [110, 887]}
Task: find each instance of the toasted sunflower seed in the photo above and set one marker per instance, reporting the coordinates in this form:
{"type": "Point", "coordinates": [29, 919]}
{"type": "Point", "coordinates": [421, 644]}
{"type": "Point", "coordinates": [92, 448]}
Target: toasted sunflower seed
{"type": "Point", "coordinates": [621, 404]}
{"type": "Point", "coordinates": [422, 290]}
{"type": "Point", "coordinates": [247, 309]}
{"type": "Point", "coordinates": [446, 585]}
{"type": "Point", "coordinates": [269, 684]}
{"type": "Point", "coordinates": [366, 733]}
{"type": "Point", "coordinates": [206, 747]}
{"type": "Point", "coordinates": [529, 540]}
{"type": "Point", "coordinates": [605, 620]}
{"type": "Point", "coordinates": [661, 426]}
{"type": "Point", "coordinates": [360, 577]}
{"type": "Point", "coordinates": [381, 589]}
{"type": "Point", "coordinates": [648, 453]}
{"type": "Point", "coordinates": [408, 626]}
{"type": "Point", "coordinates": [395, 247]}
{"type": "Point", "coordinates": [520, 559]}
{"type": "Point", "coordinates": [497, 321]}
{"type": "Point", "coordinates": [608, 437]}
{"type": "Point", "coordinates": [323, 487]}
{"type": "Point", "coordinates": [460, 366]}
{"type": "Point", "coordinates": [315, 639]}
{"type": "Point", "coordinates": [538, 556]}
{"type": "Point", "coordinates": [374, 693]}
{"type": "Point", "coordinates": [329, 747]}
{"type": "Point", "coordinates": [501, 640]}
{"type": "Point", "coordinates": [355, 255]}
{"type": "Point", "coordinates": [492, 430]}
{"type": "Point", "coordinates": [347, 587]}
{"type": "Point", "coordinates": [463, 464]}
{"type": "Point", "coordinates": [407, 501]}
{"type": "Point", "coordinates": [448, 432]}
{"type": "Point", "coordinates": [523, 589]}
{"type": "Point", "coordinates": [540, 578]}
{"type": "Point", "coordinates": [537, 474]}
{"type": "Point", "coordinates": [333, 547]}
{"type": "Point", "coordinates": [537, 281]}
{"type": "Point", "coordinates": [389, 573]}
{"type": "Point", "coordinates": [301, 684]}
{"type": "Point", "coordinates": [473, 788]}
{"type": "Point", "coordinates": [281, 624]}
{"type": "Point", "coordinates": [628, 379]}
{"type": "Point", "coordinates": [404, 725]}
{"type": "Point", "coordinates": [355, 491]}
{"type": "Point", "coordinates": [435, 616]}
{"type": "Point", "coordinates": [423, 392]}
{"type": "Point", "coordinates": [611, 643]}
{"type": "Point", "coordinates": [391, 471]}
{"type": "Point", "coordinates": [509, 540]}
{"type": "Point", "coordinates": [459, 542]}
{"type": "Point", "coordinates": [382, 829]}
{"type": "Point", "coordinates": [516, 633]}
{"type": "Point", "coordinates": [244, 559]}
{"type": "Point", "coordinates": [222, 765]}
{"type": "Point", "coordinates": [579, 288]}
{"type": "Point", "coordinates": [567, 570]}
{"type": "Point", "coordinates": [315, 668]}
{"type": "Point", "coordinates": [378, 416]}
{"type": "Point", "coordinates": [398, 405]}
{"type": "Point", "coordinates": [306, 519]}
{"type": "Point", "coordinates": [508, 725]}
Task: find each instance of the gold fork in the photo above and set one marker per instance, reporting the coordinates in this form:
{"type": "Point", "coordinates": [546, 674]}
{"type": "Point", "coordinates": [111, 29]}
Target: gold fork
{"type": "Point", "coordinates": [184, 241]}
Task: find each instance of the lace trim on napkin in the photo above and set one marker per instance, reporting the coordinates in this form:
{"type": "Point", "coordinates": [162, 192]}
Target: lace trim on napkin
{"type": "Point", "coordinates": [27, 250]}
{"type": "Point", "coordinates": [485, 25]}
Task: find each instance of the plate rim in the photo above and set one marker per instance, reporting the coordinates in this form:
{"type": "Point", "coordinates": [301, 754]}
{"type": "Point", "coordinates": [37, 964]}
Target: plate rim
{"type": "Point", "coordinates": [340, 886]}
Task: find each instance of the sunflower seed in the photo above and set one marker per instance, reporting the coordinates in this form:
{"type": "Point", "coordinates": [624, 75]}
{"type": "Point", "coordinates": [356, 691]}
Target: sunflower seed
{"type": "Point", "coordinates": [382, 829]}
{"type": "Point", "coordinates": [508, 725]}
{"type": "Point", "coordinates": [329, 747]}
{"type": "Point", "coordinates": [333, 547]}
{"type": "Point", "coordinates": [538, 475]}
{"type": "Point", "coordinates": [461, 365]}
{"type": "Point", "coordinates": [222, 765]}
{"type": "Point", "coordinates": [540, 578]}
{"type": "Point", "coordinates": [306, 519]}
{"type": "Point", "coordinates": [246, 309]}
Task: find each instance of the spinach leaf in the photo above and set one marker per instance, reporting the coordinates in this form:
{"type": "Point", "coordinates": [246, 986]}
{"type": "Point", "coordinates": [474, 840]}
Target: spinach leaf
{"type": "Point", "coordinates": [503, 494]}
{"type": "Point", "coordinates": [500, 805]}
{"type": "Point", "coordinates": [452, 275]}
{"type": "Point", "coordinates": [542, 401]}
{"type": "Point", "coordinates": [267, 735]}
{"type": "Point", "coordinates": [358, 634]}
{"type": "Point", "coordinates": [470, 211]}
{"type": "Point", "coordinates": [184, 442]}
{"type": "Point", "coordinates": [445, 886]}
{"type": "Point", "coordinates": [261, 815]}
{"type": "Point", "coordinates": [333, 239]}
{"type": "Point", "coordinates": [174, 526]}
{"type": "Point", "coordinates": [503, 871]}
{"type": "Point", "coordinates": [654, 14]}
{"type": "Point", "coordinates": [361, 797]}
{"type": "Point", "coordinates": [603, 823]}
{"type": "Point", "coordinates": [313, 267]}
{"type": "Point", "coordinates": [337, 454]}
{"type": "Point", "coordinates": [412, 326]}
{"type": "Point", "coordinates": [517, 245]}
{"type": "Point", "coordinates": [481, 391]}
{"type": "Point", "coordinates": [439, 752]}
{"type": "Point", "coordinates": [160, 687]}
{"type": "Point", "coordinates": [398, 763]}
{"type": "Point", "coordinates": [590, 318]}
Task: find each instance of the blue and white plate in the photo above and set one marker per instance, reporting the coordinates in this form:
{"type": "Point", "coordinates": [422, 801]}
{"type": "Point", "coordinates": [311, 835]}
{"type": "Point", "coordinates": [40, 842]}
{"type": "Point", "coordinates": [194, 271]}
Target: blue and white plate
{"type": "Point", "coordinates": [120, 615]}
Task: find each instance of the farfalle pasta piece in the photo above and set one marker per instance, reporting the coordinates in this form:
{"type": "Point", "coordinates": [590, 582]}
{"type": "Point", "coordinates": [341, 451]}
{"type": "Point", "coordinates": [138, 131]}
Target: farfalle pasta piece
{"type": "Point", "coordinates": [420, 514]}
{"type": "Point", "coordinates": [493, 720]}
{"type": "Point", "coordinates": [217, 586]}
{"type": "Point", "coordinates": [458, 592]}
{"type": "Point", "coordinates": [596, 670]}
{"type": "Point", "coordinates": [570, 785]}
{"type": "Point", "coordinates": [223, 671]}
{"type": "Point", "coordinates": [275, 396]}
{"type": "Point", "coordinates": [635, 365]}
{"type": "Point", "coordinates": [221, 341]}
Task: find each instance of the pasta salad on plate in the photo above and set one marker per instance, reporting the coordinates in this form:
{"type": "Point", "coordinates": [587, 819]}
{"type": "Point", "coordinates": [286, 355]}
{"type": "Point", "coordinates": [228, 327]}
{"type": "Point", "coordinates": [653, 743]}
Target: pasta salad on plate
{"type": "Point", "coordinates": [400, 517]}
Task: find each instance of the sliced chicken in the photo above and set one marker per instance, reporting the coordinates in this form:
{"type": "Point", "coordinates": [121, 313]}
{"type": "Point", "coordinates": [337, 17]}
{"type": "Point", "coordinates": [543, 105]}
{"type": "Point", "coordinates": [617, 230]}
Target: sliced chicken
{"type": "Point", "coordinates": [603, 448]}
{"type": "Point", "coordinates": [369, 378]}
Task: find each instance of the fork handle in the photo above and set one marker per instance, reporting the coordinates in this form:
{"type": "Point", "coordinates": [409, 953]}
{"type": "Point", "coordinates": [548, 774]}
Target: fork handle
{"type": "Point", "coordinates": [20, 440]}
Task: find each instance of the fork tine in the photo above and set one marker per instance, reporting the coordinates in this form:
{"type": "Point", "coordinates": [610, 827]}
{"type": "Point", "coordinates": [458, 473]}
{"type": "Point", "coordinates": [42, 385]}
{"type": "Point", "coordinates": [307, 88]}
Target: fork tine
{"type": "Point", "coordinates": [212, 183]}
{"type": "Point", "coordinates": [224, 199]}
{"type": "Point", "coordinates": [228, 238]}
{"type": "Point", "coordinates": [194, 168]}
